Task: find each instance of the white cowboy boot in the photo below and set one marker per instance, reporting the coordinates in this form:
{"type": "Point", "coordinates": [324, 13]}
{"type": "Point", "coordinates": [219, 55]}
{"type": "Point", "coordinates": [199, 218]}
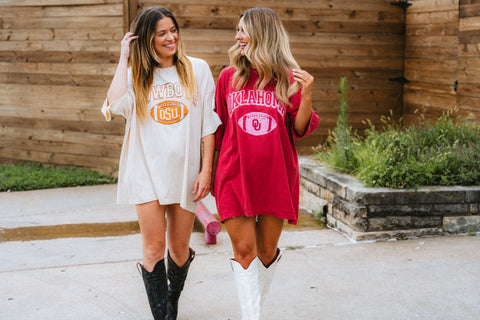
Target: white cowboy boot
{"type": "Point", "coordinates": [248, 290]}
{"type": "Point", "coordinates": [265, 275]}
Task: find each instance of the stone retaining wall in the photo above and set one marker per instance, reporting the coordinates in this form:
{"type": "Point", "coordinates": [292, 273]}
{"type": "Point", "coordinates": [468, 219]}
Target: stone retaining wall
{"type": "Point", "coordinates": [379, 213]}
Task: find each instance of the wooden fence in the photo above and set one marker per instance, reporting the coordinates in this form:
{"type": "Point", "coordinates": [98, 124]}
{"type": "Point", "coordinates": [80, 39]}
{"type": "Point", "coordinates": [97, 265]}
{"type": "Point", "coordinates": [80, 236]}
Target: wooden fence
{"type": "Point", "coordinates": [57, 61]}
{"type": "Point", "coordinates": [442, 58]}
{"type": "Point", "coordinates": [468, 66]}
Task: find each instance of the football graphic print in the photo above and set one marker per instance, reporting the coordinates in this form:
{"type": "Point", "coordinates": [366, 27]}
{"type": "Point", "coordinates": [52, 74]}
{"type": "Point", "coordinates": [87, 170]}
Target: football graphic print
{"type": "Point", "coordinates": [257, 123]}
{"type": "Point", "coordinates": [169, 112]}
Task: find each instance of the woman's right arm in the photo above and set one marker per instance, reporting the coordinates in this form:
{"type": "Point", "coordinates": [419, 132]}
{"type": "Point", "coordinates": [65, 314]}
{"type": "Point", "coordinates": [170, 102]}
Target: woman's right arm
{"type": "Point", "coordinates": [119, 85]}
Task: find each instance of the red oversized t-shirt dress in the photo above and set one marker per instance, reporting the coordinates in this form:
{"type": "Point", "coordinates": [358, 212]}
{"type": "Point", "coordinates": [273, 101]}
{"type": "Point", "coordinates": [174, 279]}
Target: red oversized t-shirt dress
{"type": "Point", "coordinates": [257, 169]}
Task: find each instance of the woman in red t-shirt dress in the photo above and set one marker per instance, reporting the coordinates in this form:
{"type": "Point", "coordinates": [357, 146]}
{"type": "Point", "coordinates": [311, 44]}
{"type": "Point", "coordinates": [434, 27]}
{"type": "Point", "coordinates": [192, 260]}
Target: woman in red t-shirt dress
{"type": "Point", "coordinates": [264, 102]}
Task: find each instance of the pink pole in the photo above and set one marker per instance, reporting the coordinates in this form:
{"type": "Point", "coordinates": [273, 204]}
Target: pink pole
{"type": "Point", "coordinates": [211, 225]}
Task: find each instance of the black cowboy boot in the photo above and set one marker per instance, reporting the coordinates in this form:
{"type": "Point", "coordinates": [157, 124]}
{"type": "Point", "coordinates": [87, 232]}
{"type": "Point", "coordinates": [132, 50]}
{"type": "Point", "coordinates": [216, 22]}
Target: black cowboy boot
{"type": "Point", "coordinates": [157, 290]}
{"type": "Point", "coordinates": [176, 276]}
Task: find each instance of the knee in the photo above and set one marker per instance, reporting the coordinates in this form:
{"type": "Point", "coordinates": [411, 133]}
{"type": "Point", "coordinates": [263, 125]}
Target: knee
{"type": "Point", "coordinates": [267, 253]}
{"type": "Point", "coordinates": [245, 252]}
{"type": "Point", "coordinates": [177, 247]}
{"type": "Point", "coordinates": [179, 255]}
{"type": "Point", "coordinates": [154, 251]}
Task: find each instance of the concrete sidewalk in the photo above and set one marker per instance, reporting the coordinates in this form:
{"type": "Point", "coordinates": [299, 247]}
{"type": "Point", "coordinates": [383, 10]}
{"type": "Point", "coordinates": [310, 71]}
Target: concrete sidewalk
{"type": "Point", "coordinates": [322, 275]}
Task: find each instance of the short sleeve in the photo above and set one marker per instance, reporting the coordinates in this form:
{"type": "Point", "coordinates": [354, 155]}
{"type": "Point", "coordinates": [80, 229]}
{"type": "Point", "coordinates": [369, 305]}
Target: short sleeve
{"type": "Point", "coordinates": [123, 106]}
{"type": "Point", "coordinates": [210, 121]}
{"type": "Point", "coordinates": [221, 106]}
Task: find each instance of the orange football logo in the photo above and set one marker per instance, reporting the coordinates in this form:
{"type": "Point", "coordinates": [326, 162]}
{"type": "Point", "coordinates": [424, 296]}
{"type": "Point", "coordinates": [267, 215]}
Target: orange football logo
{"type": "Point", "coordinates": [169, 112]}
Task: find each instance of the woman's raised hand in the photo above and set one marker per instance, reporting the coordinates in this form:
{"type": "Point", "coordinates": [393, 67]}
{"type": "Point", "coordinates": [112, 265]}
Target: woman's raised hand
{"type": "Point", "coordinates": [305, 80]}
{"type": "Point", "coordinates": [125, 49]}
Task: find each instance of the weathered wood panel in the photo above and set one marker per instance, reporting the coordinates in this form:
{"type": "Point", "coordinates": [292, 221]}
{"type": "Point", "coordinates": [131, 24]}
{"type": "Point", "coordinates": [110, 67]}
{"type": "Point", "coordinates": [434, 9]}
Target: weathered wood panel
{"type": "Point", "coordinates": [442, 58]}
{"type": "Point", "coordinates": [57, 59]}
{"type": "Point", "coordinates": [468, 71]}
{"type": "Point", "coordinates": [431, 47]}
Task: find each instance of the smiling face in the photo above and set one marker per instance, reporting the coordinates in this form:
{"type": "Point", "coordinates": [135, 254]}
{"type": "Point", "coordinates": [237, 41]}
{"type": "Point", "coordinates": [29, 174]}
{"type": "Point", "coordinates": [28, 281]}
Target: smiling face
{"type": "Point", "coordinates": [242, 37]}
{"type": "Point", "coordinates": [165, 41]}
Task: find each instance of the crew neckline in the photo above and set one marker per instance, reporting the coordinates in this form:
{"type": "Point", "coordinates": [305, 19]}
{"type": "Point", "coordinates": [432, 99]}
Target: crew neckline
{"type": "Point", "coordinates": [166, 68]}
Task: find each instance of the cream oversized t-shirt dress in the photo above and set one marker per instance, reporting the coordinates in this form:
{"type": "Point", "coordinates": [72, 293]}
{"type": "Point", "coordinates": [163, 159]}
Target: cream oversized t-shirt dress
{"type": "Point", "coordinates": [160, 157]}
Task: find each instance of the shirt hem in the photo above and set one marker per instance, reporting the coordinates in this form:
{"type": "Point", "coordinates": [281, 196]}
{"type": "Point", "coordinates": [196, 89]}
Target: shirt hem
{"type": "Point", "coordinates": [284, 216]}
{"type": "Point", "coordinates": [162, 202]}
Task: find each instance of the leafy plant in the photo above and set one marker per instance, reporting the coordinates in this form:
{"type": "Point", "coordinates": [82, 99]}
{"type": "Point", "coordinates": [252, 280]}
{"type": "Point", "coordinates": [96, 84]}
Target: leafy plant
{"type": "Point", "coordinates": [338, 150]}
{"type": "Point", "coordinates": [445, 152]}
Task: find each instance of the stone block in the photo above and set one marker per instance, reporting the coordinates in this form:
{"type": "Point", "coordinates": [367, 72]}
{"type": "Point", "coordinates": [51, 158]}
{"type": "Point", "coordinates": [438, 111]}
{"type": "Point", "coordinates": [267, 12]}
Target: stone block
{"type": "Point", "coordinates": [379, 196]}
{"type": "Point", "coordinates": [330, 207]}
{"type": "Point", "coordinates": [472, 194]}
{"type": "Point", "coordinates": [356, 196]}
{"type": "Point", "coordinates": [399, 210]}
{"type": "Point", "coordinates": [336, 187]}
{"type": "Point", "coordinates": [451, 209]}
{"type": "Point", "coordinates": [359, 224]}
{"type": "Point", "coordinates": [331, 221]}
{"type": "Point", "coordinates": [427, 222]}
{"type": "Point", "coordinates": [350, 208]}
{"type": "Point", "coordinates": [475, 208]}
{"type": "Point", "coordinates": [326, 194]}
{"type": "Point", "coordinates": [310, 201]}
{"type": "Point", "coordinates": [427, 195]}
{"type": "Point", "coordinates": [339, 226]}
{"type": "Point", "coordinates": [390, 223]}
{"type": "Point", "coordinates": [463, 224]}
{"type": "Point", "coordinates": [403, 223]}
{"type": "Point", "coordinates": [356, 235]}
{"type": "Point", "coordinates": [313, 171]}
{"type": "Point", "coordinates": [310, 186]}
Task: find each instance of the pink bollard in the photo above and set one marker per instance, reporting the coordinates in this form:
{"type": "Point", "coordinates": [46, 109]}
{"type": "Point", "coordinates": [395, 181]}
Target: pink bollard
{"type": "Point", "coordinates": [211, 225]}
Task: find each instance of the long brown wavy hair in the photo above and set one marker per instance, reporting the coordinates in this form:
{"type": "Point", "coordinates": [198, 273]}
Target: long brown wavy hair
{"type": "Point", "coordinates": [143, 58]}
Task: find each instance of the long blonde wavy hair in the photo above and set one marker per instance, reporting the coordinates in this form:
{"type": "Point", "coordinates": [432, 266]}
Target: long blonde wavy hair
{"type": "Point", "coordinates": [143, 58]}
{"type": "Point", "coordinates": [268, 51]}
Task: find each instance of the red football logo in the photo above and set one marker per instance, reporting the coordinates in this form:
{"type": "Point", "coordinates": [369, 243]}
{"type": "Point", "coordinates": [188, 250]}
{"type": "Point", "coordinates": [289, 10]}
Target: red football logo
{"type": "Point", "coordinates": [257, 123]}
{"type": "Point", "coordinates": [169, 112]}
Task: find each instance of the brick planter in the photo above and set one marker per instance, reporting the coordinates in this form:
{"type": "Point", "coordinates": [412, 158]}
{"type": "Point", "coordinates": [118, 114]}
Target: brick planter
{"type": "Point", "coordinates": [379, 213]}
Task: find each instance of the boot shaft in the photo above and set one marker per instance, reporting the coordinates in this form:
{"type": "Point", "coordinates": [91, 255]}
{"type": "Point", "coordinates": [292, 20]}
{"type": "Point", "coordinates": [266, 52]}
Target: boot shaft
{"type": "Point", "coordinates": [248, 288]}
{"type": "Point", "coordinates": [177, 275]}
{"type": "Point", "coordinates": [176, 278]}
{"type": "Point", "coordinates": [156, 289]}
{"type": "Point", "coordinates": [265, 275]}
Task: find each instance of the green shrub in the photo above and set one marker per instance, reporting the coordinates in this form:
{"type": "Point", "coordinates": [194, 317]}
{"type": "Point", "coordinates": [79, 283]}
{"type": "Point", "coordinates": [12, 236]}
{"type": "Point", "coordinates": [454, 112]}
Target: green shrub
{"type": "Point", "coordinates": [338, 150]}
{"type": "Point", "coordinates": [445, 152]}
{"type": "Point", "coordinates": [32, 176]}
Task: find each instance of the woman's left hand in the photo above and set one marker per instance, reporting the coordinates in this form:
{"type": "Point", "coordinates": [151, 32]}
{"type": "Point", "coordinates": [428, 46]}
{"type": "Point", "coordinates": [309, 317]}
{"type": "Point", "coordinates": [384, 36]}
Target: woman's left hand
{"type": "Point", "coordinates": [305, 80]}
{"type": "Point", "coordinates": [201, 187]}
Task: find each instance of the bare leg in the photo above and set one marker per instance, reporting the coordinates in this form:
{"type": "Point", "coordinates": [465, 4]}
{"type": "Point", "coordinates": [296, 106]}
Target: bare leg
{"type": "Point", "coordinates": [242, 234]}
{"type": "Point", "coordinates": [268, 231]}
{"type": "Point", "coordinates": [180, 225]}
{"type": "Point", "coordinates": [151, 218]}
{"type": "Point", "coordinates": [245, 265]}
{"type": "Point", "coordinates": [179, 230]}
